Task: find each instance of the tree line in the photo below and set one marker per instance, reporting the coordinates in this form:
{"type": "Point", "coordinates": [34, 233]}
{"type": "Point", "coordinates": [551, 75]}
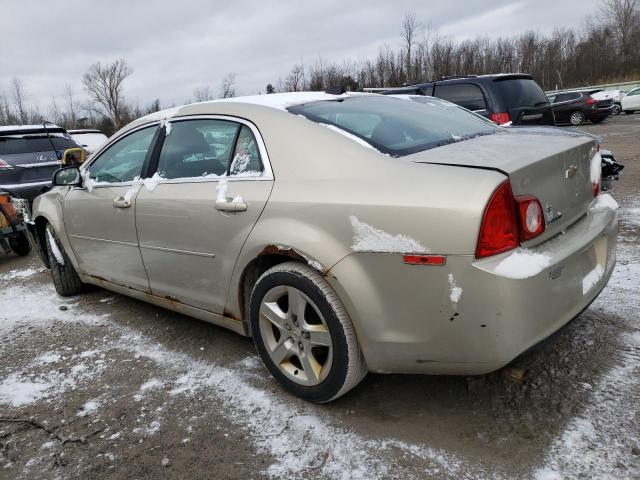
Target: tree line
{"type": "Point", "coordinates": [604, 49]}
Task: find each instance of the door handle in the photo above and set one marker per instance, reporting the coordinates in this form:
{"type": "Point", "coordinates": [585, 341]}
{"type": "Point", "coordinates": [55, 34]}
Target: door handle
{"type": "Point", "coordinates": [225, 206]}
{"type": "Point", "coordinates": [121, 202]}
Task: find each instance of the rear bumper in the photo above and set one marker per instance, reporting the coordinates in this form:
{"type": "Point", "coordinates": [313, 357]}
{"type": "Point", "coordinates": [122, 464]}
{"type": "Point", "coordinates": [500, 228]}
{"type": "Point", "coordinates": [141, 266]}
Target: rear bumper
{"type": "Point", "coordinates": [599, 113]}
{"type": "Point", "coordinates": [407, 322]}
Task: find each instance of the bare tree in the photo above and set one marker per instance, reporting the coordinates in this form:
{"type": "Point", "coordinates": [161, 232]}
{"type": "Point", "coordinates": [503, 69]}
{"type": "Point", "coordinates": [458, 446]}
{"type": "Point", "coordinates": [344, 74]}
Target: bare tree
{"type": "Point", "coordinates": [295, 80]}
{"type": "Point", "coordinates": [624, 16]}
{"type": "Point", "coordinates": [228, 86]}
{"type": "Point", "coordinates": [410, 28]}
{"type": "Point", "coordinates": [19, 100]}
{"type": "Point", "coordinates": [203, 93]}
{"type": "Point", "coordinates": [103, 83]}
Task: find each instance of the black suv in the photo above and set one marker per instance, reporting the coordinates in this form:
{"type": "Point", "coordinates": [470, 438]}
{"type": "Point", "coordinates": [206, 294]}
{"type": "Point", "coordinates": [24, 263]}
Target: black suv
{"type": "Point", "coordinates": [503, 98]}
{"type": "Point", "coordinates": [29, 154]}
{"type": "Point", "coordinates": [577, 106]}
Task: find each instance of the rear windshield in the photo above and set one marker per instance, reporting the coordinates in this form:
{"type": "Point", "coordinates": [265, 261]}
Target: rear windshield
{"type": "Point", "coordinates": [397, 126]}
{"type": "Point", "coordinates": [12, 145]}
{"type": "Point", "coordinates": [521, 92]}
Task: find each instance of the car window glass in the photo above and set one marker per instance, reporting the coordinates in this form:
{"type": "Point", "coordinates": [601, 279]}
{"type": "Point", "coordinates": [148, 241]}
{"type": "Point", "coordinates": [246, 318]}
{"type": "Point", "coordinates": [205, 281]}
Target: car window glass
{"type": "Point", "coordinates": [398, 126]}
{"type": "Point", "coordinates": [17, 144]}
{"type": "Point", "coordinates": [634, 92]}
{"type": "Point", "coordinates": [519, 92]}
{"type": "Point", "coordinates": [466, 95]}
{"type": "Point", "coordinates": [552, 98]}
{"type": "Point", "coordinates": [246, 159]}
{"type": "Point", "coordinates": [197, 148]}
{"type": "Point", "coordinates": [123, 161]}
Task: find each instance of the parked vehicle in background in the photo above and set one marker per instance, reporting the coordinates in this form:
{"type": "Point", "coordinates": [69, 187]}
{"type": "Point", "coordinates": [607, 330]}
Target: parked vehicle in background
{"type": "Point", "coordinates": [615, 95]}
{"type": "Point", "coordinates": [29, 155]}
{"type": "Point", "coordinates": [631, 101]}
{"type": "Point", "coordinates": [89, 139]}
{"type": "Point", "coordinates": [578, 106]}
{"type": "Point", "coordinates": [13, 233]}
{"type": "Point", "coordinates": [344, 233]}
{"type": "Point", "coordinates": [504, 98]}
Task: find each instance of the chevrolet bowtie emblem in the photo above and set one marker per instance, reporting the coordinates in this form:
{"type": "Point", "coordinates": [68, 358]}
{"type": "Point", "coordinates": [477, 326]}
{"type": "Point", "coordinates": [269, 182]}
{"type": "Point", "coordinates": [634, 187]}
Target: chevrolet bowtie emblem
{"type": "Point", "coordinates": [571, 171]}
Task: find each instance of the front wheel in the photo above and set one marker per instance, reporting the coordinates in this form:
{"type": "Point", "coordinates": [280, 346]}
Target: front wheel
{"type": "Point", "coordinates": [303, 333]}
{"type": "Point", "coordinates": [65, 277]}
{"type": "Point", "coordinates": [616, 109]}
{"type": "Point", "coordinates": [577, 118]}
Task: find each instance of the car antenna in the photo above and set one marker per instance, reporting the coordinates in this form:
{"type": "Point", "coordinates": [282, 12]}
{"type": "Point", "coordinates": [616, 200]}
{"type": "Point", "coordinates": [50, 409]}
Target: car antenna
{"type": "Point", "coordinates": [55, 150]}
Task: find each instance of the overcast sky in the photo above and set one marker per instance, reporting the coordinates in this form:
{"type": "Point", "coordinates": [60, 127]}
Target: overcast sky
{"type": "Point", "coordinates": [175, 46]}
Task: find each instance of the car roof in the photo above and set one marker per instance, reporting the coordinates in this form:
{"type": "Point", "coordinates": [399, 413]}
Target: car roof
{"type": "Point", "coordinates": [17, 129]}
{"type": "Point", "coordinates": [278, 101]}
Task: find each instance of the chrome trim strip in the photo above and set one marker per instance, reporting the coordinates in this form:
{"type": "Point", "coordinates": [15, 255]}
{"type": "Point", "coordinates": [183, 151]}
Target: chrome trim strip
{"type": "Point", "coordinates": [175, 250]}
{"type": "Point", "coordinates": [128, 244]}
{"type": "Point", "coordinates": [32, 184]}
{"type": "Point", "coordinates": [41, 164]}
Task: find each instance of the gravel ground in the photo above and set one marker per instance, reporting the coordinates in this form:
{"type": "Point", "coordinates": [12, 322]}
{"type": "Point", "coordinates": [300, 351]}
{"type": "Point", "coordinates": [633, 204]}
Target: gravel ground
{"type": "Point", "coordinates": [105, 386]}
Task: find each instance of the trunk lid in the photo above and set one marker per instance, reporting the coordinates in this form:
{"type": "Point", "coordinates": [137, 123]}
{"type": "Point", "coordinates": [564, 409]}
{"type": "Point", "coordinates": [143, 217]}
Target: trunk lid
{"type": "Point", "coordinates": [552, 165]}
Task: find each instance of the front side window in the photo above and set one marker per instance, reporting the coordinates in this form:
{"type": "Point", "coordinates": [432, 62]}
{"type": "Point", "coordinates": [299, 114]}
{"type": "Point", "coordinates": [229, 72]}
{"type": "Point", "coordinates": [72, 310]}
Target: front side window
{"type": "Point", "coordinates": [397, 126]}
{"type": "Point", "coordinates": [208, 148]}
{"type": "Point", "coordinates": [466, 95]}
{"type": "Point", "coordinates": [123, 161]}
{"type": "Point", "coordinates": [634, 92]}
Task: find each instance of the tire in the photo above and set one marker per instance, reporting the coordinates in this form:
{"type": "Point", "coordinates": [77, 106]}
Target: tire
{"type": "Point", "coordinates": [577, 118]}
{"type": "Point", "coordinates": [616, 109]}
{"type": "Point", "coordinates": [20, 244]}
{"type": "Point", "coordinates": [285, 342]}
{"type": "Point", "coordinates": [65, 277]}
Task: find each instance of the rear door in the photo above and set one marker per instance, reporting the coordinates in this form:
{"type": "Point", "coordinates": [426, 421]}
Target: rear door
{"type": "Point", "coordinates": [213, 182]}
{"type": "Point", "coordinates": [100, 217]}
{"type": "Point", "coordinates": [564, 104]}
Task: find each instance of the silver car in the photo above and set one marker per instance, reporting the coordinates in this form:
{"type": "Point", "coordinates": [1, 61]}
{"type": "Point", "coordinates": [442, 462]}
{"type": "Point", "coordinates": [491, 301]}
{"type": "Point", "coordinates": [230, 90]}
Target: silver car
{"type": "Point", "coordinates": [344, 233]}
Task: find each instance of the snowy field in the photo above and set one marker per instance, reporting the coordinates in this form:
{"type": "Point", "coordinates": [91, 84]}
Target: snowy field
{"type": "Point", "coordinates": [104, 386]}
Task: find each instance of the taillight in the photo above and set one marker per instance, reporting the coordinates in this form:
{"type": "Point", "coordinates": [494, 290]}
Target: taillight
{"type": "Point", "coordinates": [596, 172]}
{"type": "Point", "coordinates": [499, 228]}
{"type": "Point", "coordinates": [500, 118]}
{"type": "Point", "coordinates": [530, 216]}
{"type": "Point", "coordinates": [4, 165]}
{"type": "Point", "coordinates": [591, 101]}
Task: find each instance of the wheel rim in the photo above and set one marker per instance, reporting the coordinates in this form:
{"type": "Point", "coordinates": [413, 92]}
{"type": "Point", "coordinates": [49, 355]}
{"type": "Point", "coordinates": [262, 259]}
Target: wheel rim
{"type": "Point", "coordinates": [296, 335]}
{"type": "Point", "coordinates": [576, 118]}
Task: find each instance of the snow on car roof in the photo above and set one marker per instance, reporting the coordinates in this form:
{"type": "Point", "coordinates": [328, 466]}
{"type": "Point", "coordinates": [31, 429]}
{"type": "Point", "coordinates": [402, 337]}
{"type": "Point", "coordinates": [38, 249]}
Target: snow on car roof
{"type": "Point", "coordinates": [279, 101]}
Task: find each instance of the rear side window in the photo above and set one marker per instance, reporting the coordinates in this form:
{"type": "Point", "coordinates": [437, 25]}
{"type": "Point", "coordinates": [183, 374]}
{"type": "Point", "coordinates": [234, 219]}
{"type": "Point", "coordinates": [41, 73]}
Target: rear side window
{"type": "Point", "coordinates": [521, 92]}
{"type": "Point", "coordinates": [398, 126]}
{"type": "Point", "coordinates": [123, 160]}
{"type": "Point", "coordinates": [16, 144]}
{"type": "Point", "coordinates": [208, 148]}
{"type": "Point", "coordinates": [466, 95]}
{"type": "Point", "coordinates": [634, 92]}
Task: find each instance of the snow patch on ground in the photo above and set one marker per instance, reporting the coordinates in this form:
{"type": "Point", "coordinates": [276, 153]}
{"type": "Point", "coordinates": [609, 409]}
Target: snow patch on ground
{"type": "Point", "coordinates": [523, 263]}
{"type": "Point", "coordinates": [591, 279]}
{"type": "Point", "coordinates": [367, 238]}
{"type": "Point", "coordinates": [88, 408]}
{"type": "Point", "coordinates": [19, 274]}
{"type": "Point", "coordinates": [17, 391]}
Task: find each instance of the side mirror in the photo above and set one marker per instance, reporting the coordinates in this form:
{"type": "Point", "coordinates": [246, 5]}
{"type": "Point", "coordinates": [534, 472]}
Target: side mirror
{"type": "Point", "coordinates": [73, 157]}
{"type": "Point", "coordinates": [67, 176]}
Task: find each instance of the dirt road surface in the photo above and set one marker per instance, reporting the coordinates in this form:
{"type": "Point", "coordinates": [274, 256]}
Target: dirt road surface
{"type": "Point", "coordinates": [103, 386]}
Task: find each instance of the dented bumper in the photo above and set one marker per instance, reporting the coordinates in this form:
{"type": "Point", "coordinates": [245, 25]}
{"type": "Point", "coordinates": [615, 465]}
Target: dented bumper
{"type": "Point", "coordinates": [408, 322]}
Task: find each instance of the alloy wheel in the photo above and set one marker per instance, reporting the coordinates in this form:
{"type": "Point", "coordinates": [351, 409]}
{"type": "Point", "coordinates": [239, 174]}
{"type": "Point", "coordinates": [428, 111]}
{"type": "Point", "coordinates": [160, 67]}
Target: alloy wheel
{"type": "Point", "coordinates": [296, 335]}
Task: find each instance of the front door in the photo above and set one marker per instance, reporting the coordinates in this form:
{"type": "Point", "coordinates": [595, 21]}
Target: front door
{"type": "Point", "coordinates": [214, 181]}
{"type": "Point", "coordinates": [99, 217]}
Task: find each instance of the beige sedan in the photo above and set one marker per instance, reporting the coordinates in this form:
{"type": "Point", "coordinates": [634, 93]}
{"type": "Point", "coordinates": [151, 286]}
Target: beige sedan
{"type": "Point", "coordinates": [344, 233]}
